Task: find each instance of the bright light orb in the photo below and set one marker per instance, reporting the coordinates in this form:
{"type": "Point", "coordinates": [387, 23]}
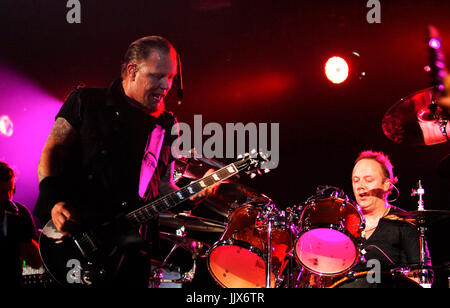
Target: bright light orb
{"type": "Point", "coordinates": [336, 70]}
{"type": "Point", "coordinates": [6, 126]}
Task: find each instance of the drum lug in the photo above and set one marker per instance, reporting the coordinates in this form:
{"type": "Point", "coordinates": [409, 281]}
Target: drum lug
{"type": "Point", "coordinates": [341, 224]}
{"type": "Point", "coordinates": [307, 224]}
{"type": "Point", "coordinates": [233, 236]}
{"type": "Point", "coordinates": [351, 275]}
{"type": "Point", "coordinates": [313, 205]}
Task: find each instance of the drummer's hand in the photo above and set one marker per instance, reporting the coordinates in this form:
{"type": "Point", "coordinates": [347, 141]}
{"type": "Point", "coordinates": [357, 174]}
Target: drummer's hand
{"type": "Point", "coordinates": [207, 192]}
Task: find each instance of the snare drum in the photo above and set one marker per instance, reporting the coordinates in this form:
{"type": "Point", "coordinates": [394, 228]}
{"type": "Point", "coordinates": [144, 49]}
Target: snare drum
{"type": "Point", "coordinates": [329, 229]}
{"type": "Point", "coordinates": [237, 260]}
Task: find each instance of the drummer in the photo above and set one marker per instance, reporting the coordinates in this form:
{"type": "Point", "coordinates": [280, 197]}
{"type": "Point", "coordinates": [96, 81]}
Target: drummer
{"type": "Point", "coordinates": [388, 239]}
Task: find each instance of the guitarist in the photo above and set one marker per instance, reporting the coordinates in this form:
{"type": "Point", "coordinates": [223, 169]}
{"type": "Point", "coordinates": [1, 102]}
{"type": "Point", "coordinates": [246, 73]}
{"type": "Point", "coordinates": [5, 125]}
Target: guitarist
{"type": "Point", "coordinates": [111, 148]}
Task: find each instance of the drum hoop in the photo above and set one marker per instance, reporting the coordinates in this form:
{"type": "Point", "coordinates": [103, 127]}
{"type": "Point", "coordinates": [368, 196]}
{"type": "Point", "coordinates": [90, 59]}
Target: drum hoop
{"type": "Point", "coordinates": [348, 201]}
{"type": "Point", "coordinates": [230, 242]}
{"type": "Point", "coordinates": [331, 227]}
{"type": "Point", "coordinates": [344, 279]}
{"type": "Point", "coordinates": [234, 242]}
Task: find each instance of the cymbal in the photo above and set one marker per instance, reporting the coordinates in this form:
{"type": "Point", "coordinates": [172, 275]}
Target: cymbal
{"type": "Point", "coordinates": [412, 120]}
{"type": "Point", "coordinates": [194, 168]}
{"type": "Point", "coordinates": [428, 217]}
{"type": "Point", "coordinates": [190, 223]}
{"type": "Point", "coordinates": [229, 195]}
{"type": "Point", "coordinates": [197, 248]}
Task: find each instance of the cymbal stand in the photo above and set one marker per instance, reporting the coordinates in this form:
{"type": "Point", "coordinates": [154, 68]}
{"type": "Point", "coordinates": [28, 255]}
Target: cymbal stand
{"type": "Point", "coordinates": [424, 278]}
{"type": "Point", "coordinates": [269, 250]}
{"type": "Point", "coordinates": [268, 220]}
{"type": "Point", "coordinates": [157, 276]}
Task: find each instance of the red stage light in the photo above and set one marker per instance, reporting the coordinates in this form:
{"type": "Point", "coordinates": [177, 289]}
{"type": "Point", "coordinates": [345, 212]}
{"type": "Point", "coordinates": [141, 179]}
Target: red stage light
{"type": "Point", "coordinates": [6, 126]}
{"type": "Point", "coordinates": [336, 70]}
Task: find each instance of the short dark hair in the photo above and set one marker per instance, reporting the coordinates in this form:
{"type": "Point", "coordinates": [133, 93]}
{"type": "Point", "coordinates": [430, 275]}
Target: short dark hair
{"type": "Point", "coordinates": [6, 172]}
{"type": "Point", "coordinates": [141, 49]}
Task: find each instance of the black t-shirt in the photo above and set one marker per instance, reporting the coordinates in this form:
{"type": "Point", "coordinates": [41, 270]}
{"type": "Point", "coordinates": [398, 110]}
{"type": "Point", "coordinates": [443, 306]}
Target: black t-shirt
{"type": "Point", "coordinates": [14, 230]}
{"type": "Point", "coordinates": [104, 167]}
{"type": "Point", "coordinates": [394, 242]}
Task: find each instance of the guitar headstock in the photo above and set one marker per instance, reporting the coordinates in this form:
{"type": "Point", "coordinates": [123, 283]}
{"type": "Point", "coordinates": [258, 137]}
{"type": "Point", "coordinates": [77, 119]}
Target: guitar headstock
{"type": "Point", "coordinates": [253, 163]}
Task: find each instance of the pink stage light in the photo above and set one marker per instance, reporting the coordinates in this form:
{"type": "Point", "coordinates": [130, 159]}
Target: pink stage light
{"type": "Point", "coordinates": [336, 70]}
{"type": "Point", "coordinates": [27, 114]}
{"type": "Point", "coordinates": [6, 126]}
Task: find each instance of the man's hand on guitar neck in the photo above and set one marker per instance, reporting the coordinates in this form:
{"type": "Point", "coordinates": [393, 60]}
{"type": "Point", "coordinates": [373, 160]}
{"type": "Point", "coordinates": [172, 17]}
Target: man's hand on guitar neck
{"type": "Point", "coordinates": [207, 192]}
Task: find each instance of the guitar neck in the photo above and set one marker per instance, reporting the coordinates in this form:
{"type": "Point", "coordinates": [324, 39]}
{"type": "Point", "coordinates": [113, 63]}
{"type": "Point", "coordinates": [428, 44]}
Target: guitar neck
{"type": "Point", "coordinates": [151, 210]}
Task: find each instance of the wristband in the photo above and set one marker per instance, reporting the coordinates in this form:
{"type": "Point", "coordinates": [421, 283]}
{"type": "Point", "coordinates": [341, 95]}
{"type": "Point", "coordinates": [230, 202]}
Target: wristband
{"type": "Point", "coordinates": [51, 190]}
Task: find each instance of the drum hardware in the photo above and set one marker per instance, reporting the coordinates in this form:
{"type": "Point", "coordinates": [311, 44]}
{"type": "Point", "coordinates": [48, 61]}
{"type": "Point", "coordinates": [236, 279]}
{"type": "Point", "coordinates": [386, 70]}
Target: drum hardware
{"type": "Point", "coordinates": [424, 275]}
{"type": "Point", "coordinates": [269, 252]}
{"type": "Point", "coordinates": [195, 249]}
{"type": "Point", "coordinates": [423, 218]}
{"type": "Point", "coordinates": [156, 275]}
{"type": "Point", "coordinates": [190, 222]}
{"type": "Point", "coordinates": [230, 196]}
{"type": "Point", "coordinates": [334, 191]}
{"type": "Point", "coordinates": [252, 250]}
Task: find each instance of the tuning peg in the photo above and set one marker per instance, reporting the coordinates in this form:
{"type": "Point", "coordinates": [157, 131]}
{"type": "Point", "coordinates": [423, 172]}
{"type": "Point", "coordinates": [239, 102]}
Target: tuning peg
{"type": "Point", "coordinates": [266, 170]}
{"type": "Point", "coordinates": [240, 156]}
{"type": "Point", "coordinates": [253, 152]}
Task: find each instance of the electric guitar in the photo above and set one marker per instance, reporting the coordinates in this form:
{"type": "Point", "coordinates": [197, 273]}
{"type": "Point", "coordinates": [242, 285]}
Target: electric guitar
{"type": "Point", "coordinates": [92, 256]}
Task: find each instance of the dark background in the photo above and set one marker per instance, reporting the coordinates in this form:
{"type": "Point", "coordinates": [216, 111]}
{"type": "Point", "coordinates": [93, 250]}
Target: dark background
{"type": "Point", "coordinates": [252, 61]}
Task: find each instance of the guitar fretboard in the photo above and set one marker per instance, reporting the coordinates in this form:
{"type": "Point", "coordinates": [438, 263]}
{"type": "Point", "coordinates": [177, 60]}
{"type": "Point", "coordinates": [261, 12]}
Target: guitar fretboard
{"type": "Point", "coordinates": [149, 211]}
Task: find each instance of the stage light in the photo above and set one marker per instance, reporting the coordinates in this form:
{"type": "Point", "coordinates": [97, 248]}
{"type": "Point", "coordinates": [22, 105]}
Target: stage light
{"type": "Point", "coordinates": [434, 43]}
{"type": "Point", "coordinates": [6, 126]}
{"type": "Point", "coordinates": [336, 70]}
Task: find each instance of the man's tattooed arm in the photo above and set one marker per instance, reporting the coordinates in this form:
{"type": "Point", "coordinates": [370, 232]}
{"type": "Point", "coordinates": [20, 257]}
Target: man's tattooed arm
{"type": "Point", "coordinates": [58, 144]}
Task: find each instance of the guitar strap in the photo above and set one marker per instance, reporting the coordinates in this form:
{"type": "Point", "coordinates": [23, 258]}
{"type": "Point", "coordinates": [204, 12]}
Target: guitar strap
{"type": "Point", "coordinates": [150, 159]}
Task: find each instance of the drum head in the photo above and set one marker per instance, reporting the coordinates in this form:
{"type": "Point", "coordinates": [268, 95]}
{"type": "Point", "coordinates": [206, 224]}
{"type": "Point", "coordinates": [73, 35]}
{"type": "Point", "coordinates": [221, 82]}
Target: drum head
{"type": "Point", "coordinates": [326, 251]}
{"type": "Point", "coordinates": [236, 266]}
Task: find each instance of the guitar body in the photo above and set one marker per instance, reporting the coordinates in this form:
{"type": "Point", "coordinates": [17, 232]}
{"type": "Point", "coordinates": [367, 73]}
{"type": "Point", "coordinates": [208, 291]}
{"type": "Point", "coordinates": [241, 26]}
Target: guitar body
{"type": "Point", "coordinates": [87, 258]}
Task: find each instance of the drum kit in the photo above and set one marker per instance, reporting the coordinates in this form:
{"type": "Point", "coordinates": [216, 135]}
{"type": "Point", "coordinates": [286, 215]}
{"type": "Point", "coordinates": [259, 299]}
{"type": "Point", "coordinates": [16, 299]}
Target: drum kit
{"type": "Point", "coordinates": [254, 244]}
